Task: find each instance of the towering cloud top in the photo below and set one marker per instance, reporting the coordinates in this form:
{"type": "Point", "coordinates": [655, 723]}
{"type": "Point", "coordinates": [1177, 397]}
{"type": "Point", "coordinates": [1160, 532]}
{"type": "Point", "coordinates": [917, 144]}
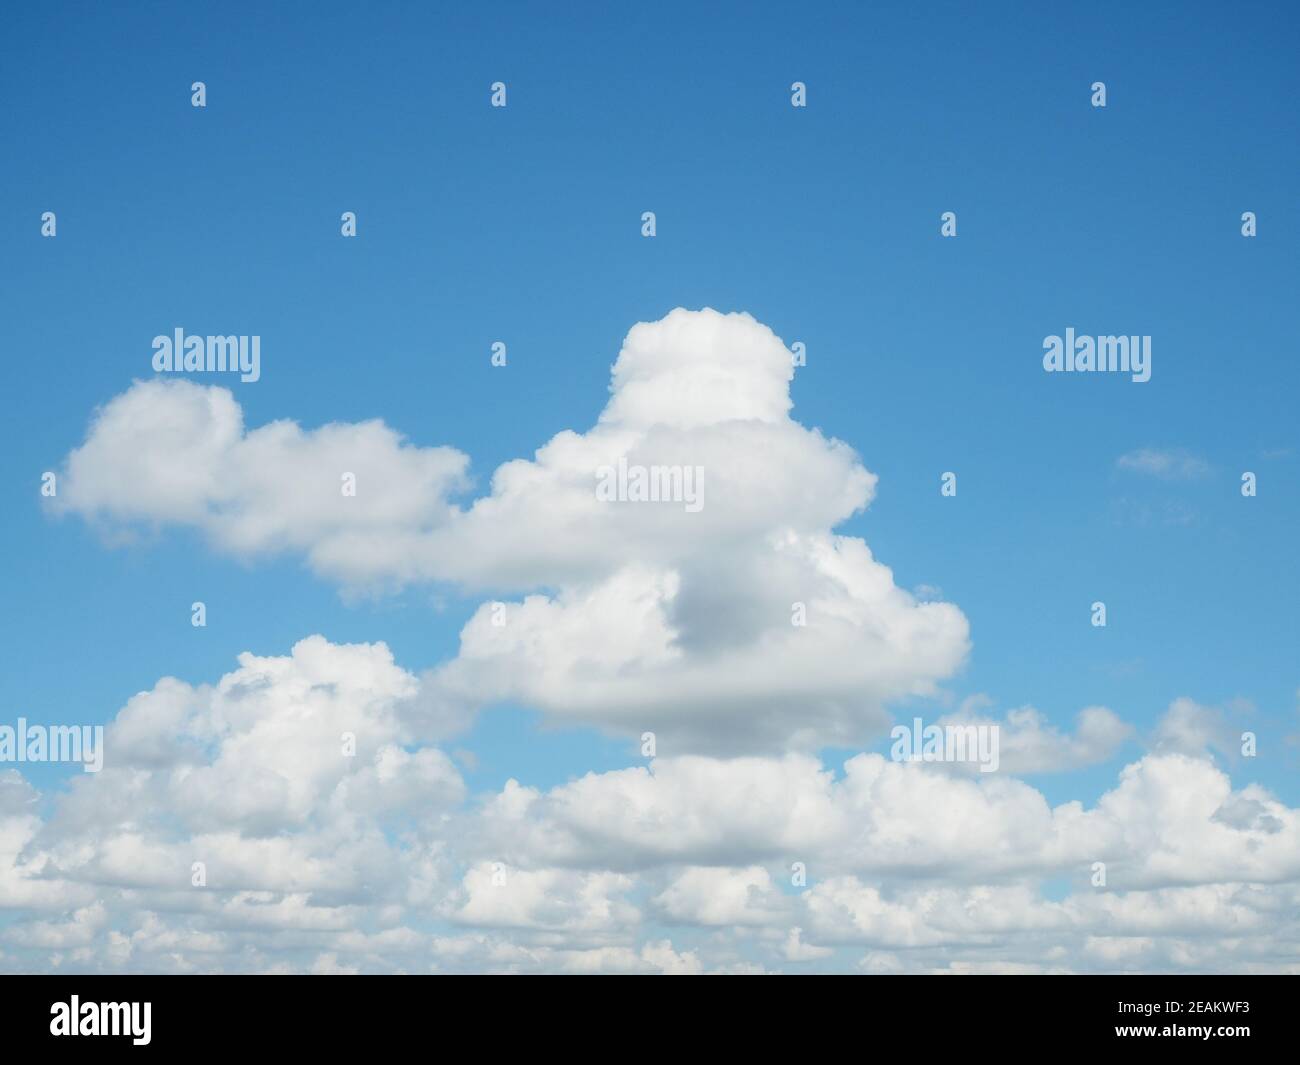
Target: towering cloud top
{"type": "Point", "coordinates": [697, 368]}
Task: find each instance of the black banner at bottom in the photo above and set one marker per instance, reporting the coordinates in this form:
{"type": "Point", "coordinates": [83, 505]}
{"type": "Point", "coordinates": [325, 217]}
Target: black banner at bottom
{"type": "Point", "coordinates": [1219, 1015]}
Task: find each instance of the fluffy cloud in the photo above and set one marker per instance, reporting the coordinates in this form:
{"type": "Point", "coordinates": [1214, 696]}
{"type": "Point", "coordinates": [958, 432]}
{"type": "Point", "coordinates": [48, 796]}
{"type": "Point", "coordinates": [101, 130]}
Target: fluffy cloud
{"type": "Point", "coordinates": [695, 389]}
{"type": "Point", "coordinates": [1190, 728]}
{"type": "Point", "coordinates": [1029, 743]}
{"type": "Point", "coordinates": [256, 782]}
{"type": "Point", "coordinates": [316, 860]}
{"type": "Point", "coordinates": [745, 625]}
{"type": "Point", "coordinates": [710, 895]}
{"type": "Point", "coordinates": [1170, 820]}
{"type": "Point", "coordinates": [173, 452]}
{"type": "Point", "coordinates": [546, 900]}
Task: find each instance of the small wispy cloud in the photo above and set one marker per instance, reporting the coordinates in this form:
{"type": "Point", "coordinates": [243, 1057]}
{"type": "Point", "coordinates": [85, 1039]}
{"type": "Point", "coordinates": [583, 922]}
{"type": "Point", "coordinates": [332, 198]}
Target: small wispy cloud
{"type": "Point", "coordinates": [1170, 464]}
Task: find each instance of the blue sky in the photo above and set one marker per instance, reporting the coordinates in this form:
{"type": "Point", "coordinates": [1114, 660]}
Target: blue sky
{"type": "Point", "coordinates": [522, 225]}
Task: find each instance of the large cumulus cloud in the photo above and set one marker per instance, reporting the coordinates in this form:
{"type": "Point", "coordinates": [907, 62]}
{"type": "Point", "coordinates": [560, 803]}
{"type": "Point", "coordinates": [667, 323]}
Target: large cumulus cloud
{"type": "Point", "coordinates": [642, 616]}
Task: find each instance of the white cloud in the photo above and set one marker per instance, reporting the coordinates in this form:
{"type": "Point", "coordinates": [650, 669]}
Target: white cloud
{"type": "Point", "coordinates": [655, 618]}
{"type": "Point", "coordinates": [795, 949]}
{"type": "Point", "coordinates": [929, 870]}
{"type": "Point", "coordinates": [1170, 820]}
{"type": "Point", "coordinates": [543, 900]}
{"type": "Point", "coordinates": [712, 895]}
{"type": "Point", "coordinates": [1191, 728]}
{"type": "Point", "coordinates": [1167, 463]}
{"type": "Point", "coordinates": [1029, 743]}
{"type": "Point", "coordinates": [173, 452]}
